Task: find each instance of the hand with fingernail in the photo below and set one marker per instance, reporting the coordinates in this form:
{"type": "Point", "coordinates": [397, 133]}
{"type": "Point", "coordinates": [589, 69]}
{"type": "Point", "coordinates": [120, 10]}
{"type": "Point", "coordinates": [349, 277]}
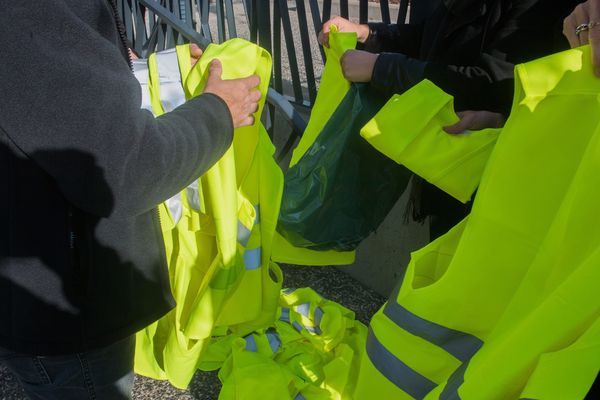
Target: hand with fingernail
{"type": "Point", "coordinates": [241, 95]}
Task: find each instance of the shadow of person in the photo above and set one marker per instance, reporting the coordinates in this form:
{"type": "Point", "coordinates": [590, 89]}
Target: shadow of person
{"type": "Point", "coordinates": [71, 279]}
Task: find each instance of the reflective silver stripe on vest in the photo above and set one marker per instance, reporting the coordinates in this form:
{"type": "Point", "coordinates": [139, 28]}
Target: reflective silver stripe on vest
{"type": "Point", "coordinates": [313, 329]}
{"type": "Point", "coordinates": [289, 290]}
{"type": "Point", "coordinates": [193, 196]}
{"type": "Point", "coordinates": [457, 378]}
{"type": "Point", "coordinates": [243, 234]}
{"type": "Point", "coordinates": [171, 90]}
{"type": "Point", "coordinates": [272, 337]}
{"type": "Point", "coordinates": [297, 326]}
{"type": "Point", "coordinates": [461, 345]}
{"type": "Point", "coordinates": [285, 314]}
{"type": "Point", "coordinates": [175, 206]}
{"type": "Point", "coordinates": [400, 374]}
{"type": "Point", "coordinates": [171, 96]}
{"type": "Point", "coordinates": [252, 258]}
{"type": "Point", "coordinates": [274, 340]}
{"type": "Point", "coordinates": [318, 315]}
{"type": "Point", "coordinates": [140, 70]}
{"type": "Point", "coordinates": [299, 397]}
{"type": "Point", "coordinates": [304, 309]}
{"type": "Point", "coordinates": [251, 343]}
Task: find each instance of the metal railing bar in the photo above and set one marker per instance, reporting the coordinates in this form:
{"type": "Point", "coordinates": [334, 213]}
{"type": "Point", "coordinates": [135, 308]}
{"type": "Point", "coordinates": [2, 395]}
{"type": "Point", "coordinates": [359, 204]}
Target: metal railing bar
{"type": "Point", "coordinates": [230, 18]}
{"type": "Point", "coordinates": [204, 13]}
{"type": "Point", "coordinates": [363, 13]}
{"type": "Point", "coordinates": [263, 19]}
{"type": "Point", "coordinates": [165, 15]}
{"type": "Point", "coordinates": [326, 10]}
{"type": "Point", "coordinates": [318, 25]}
{"type": "Point", "coordinates": [291, 50]}
{"type": "Point", "coordinates": [344, 8]}
{"type": "Point", "coordinates": [306, 50]}
{"type": "Point", "coordinates": [385, 11]}
{"type": "Point", "coordinates": [221, 37]}
{"type": "Point", "coordinates": [402, 12]}
{"type": "Point", "coordinates": [277, 53]}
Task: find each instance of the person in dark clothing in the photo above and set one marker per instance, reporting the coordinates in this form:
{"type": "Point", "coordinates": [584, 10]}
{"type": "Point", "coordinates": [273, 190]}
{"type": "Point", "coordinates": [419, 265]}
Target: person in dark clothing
{"type": "Point", "coordinates": [582, 27]}
{"type": "Point", "coordinates": [82, 168]}
{"type": "Point", "coordinates": [466, 47]}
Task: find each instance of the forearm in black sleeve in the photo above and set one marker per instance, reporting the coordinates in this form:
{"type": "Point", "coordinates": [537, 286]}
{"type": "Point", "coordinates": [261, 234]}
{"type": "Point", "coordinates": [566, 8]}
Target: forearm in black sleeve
{"type": "Point", "coordinates": [393, 38]}
{"type": "Point", "coordinates": [68, 95]}
{"type": "Point", "coordinates": [396, 73]}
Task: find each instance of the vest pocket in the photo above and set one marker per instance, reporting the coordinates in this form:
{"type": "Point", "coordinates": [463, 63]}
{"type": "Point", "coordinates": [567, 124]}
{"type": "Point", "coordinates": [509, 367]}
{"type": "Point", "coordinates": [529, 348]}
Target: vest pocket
{"type": "Point", "coordinates": [429, 264]}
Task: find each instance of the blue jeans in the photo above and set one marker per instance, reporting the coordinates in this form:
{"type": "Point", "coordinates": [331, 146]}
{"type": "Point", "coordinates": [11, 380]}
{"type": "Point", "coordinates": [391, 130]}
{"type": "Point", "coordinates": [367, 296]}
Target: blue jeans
{"type": "Point", "coordinates": [100, 374]}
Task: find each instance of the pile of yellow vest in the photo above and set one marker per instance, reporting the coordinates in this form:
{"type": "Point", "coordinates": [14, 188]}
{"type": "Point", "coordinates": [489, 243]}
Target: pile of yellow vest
{"type": "Point", "coordinates": [218, 231]}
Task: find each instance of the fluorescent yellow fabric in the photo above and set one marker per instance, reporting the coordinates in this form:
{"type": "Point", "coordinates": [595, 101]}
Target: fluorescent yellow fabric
{"type": "Point", "coordinates": [332, 90]}
{"type": "Point", "coordinates": [566, 373]}
{"type": "Point", "coordinates": [508, 299]}
{"type": "Point", "coordinates": [219, 251]}
{"type": "Point", "coordinates": [312, 352]}
{"type": "Point", "coordinates": [408, 129]}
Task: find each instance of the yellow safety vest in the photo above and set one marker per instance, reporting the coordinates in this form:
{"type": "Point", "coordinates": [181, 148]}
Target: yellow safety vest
{"type": "Point", "coordinates": [332, 90]}
{"type": "Point", "coordinates": [312, 352]}
{"type": "Point", "coordinates": [505, 305]}
{"type": "Point", "coordinates": [408, 129]}
{"type": "Point", "coordinates": [218, 232]}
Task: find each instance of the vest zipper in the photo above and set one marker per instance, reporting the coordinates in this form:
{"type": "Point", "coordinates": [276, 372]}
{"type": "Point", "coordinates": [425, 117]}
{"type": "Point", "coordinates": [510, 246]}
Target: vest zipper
{"type": "Point", "coordinates": [121, 32]}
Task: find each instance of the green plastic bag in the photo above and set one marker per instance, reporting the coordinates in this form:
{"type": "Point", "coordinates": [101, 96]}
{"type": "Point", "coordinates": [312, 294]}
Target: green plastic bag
{"type": "Point", "coordinates": [342, 188]}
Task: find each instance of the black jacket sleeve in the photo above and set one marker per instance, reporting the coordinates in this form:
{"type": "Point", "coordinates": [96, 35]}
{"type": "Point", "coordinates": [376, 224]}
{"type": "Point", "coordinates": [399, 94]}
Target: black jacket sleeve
{"type": "Point", "coordinates": [480, 78]}
{"type": "Point", "coordinates": [393, 38]}
{"type": "Point", "coordinates": [65, 88]}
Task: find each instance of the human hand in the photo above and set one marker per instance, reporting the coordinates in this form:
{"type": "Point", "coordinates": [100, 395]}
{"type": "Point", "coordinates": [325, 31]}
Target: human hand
{"type": "Point", "coordinates": [343, 25]}
{"type": "Point", "coordinates": [132, 55]}
{"type": "Point", "coordinates": [475, 121]}
{"type": "Point", "coordinates": [195, 53]}
{"type": "Point", "coordinates": [240, 95]}
{"type": "Point", "coordinates": [357, 65]}
{"type": "Point", "coordinates": [586, 16]}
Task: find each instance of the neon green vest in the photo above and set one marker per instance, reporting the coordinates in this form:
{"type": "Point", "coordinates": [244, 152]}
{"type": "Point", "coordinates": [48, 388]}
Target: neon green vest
{"type": "Point", "coordinates": [312, 351]}
{"type": "Point", "coordinates": [408, 129]}
{"type": "Point", "coordinates": [505, 305]}
{"type": "Point", "coordinates": [218, 234]}
{"type": "Point", "coordinates": [332, 90]}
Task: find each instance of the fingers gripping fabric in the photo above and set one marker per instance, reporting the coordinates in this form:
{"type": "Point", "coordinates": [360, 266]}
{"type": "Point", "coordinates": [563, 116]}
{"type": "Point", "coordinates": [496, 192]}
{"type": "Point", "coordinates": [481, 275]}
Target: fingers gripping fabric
{"type": "Point", "coordinates": [219, 244]}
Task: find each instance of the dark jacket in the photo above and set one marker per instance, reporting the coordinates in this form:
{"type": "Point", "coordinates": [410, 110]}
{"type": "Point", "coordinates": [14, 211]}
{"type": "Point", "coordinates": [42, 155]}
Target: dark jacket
{"type": "Point", "coordinates": [469, 48]}
{"type": "Point", "coordinates": [82, 168]}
